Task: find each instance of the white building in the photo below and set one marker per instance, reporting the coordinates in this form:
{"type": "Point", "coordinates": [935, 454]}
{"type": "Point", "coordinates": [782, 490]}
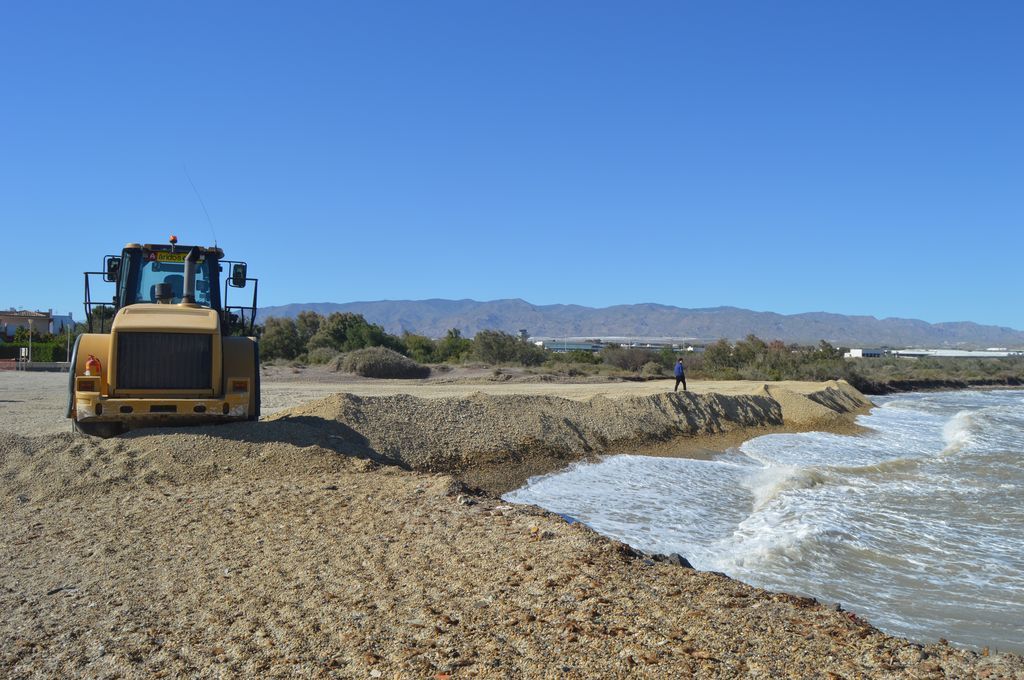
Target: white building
{"type": "Point", "coordinates": [858, 353]}
{"type": "Point", "coordinates": [960, 353]}
{"type": "Point", "coordinates": [13, 319]}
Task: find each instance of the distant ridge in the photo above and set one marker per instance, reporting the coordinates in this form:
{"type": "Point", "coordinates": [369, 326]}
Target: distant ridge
{"type": "Point", "coordinates": [434, 317]}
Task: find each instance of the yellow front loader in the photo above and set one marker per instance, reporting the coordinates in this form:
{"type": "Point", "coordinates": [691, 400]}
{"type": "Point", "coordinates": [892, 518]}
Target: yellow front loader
{"type": "Point", "coordinates": [168, 350]}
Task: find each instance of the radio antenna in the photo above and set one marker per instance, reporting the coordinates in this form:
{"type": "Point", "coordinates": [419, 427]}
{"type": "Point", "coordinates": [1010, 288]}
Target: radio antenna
{"type": "Point", "coordinates": [205, 211]}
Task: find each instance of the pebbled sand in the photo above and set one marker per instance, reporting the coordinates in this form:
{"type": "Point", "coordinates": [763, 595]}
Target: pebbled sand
{"type": "Point", "coordinates": [290, 548]}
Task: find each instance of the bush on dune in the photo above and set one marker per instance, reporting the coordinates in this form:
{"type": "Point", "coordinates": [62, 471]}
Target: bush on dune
{"type": "Point", "coordinates": [652, 369]}
{"type": "Point", "coordinates": [380, 362]}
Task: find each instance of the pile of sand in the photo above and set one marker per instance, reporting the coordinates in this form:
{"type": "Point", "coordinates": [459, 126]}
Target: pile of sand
{"type": "Point", "coordinates": [43, 469]}
{"type": "Point", "coordinates": [493, 441]}
{"type": "Point", "coordinates": [281, 549]}
{"type": "Point", "coordinates": [191, 554]}
{"type": "Point", "coordinates": [498, 441]}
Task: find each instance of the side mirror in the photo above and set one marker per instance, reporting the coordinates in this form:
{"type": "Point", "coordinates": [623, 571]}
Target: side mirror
{"type": "Point", "coordinates": [238, 275]}
{"type": "Point", "coordinates": [111, 266]}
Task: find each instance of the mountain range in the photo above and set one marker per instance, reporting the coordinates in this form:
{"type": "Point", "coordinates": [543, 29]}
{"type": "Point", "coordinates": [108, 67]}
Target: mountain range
{"type": "Point", "coordinates": [434, 317]}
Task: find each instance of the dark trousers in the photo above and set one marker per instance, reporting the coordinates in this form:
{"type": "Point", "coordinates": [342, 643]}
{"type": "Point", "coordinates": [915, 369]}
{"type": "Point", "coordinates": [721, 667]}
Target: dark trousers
{"type": "Point", "coordinates": [680, 379]}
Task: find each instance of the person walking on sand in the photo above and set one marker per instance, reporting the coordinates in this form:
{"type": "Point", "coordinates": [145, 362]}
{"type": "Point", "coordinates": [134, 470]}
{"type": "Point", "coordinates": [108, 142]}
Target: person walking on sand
{"type": "Point", "coordinates": [680, 376]}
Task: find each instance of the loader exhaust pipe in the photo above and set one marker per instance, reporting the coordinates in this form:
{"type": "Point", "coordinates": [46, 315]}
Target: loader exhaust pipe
{"type": "Point", "coordinates": [188, 295]}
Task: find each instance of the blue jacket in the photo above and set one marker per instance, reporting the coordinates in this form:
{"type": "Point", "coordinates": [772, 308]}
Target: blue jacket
{"type": "Point", "coordinates": [679, 370]}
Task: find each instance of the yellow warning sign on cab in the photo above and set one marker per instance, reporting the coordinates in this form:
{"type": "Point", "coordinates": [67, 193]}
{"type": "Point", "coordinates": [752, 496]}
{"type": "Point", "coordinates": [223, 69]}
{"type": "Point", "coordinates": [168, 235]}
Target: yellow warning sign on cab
{"type": "Point", "coordinates": [173, 257]}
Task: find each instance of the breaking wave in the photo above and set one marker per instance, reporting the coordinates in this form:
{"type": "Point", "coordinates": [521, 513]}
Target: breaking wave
{"type": "Point", "coordinates": [916, 525]}
{"type": "Point", "coordinates": [957, 432]}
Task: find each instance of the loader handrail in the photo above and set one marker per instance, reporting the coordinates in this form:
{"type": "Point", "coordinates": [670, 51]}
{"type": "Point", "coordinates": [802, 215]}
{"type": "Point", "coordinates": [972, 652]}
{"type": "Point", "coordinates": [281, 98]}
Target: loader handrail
{"type": "Point", "coordinates": [246, 313]}
{"type": "Point", "coordinates": [89, 305]}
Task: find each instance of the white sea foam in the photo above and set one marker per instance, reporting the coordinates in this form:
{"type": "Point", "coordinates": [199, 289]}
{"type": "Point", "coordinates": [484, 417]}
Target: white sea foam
{"type": "Point", "coordinates": [767, 483]}
{"type": "Point", "coordinates": [917, 525]}
{"type": "Point", "coordinates": [957, 432]}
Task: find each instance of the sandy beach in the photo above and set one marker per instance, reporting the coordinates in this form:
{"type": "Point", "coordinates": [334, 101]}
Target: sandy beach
{"type": "Point", "coordinates": [355, 532]}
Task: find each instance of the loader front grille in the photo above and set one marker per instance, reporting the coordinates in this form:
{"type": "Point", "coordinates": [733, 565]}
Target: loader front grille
{"type": "Point", "coordinates": [164, 361]}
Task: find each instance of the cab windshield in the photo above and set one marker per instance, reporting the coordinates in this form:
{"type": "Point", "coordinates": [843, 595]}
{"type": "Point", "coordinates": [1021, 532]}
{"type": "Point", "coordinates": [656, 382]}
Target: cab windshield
{"type": "Point", "coordinates": [153, 272]}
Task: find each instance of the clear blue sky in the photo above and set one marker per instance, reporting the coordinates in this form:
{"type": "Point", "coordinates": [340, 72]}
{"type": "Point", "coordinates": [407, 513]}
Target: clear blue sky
{"type": "Point", "coordinates": [860, 158]}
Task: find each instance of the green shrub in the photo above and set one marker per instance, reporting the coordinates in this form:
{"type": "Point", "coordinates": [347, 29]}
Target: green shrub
{"type": "Point", "coordinates": [420, 348]}
{"type": "Point", "coordinates": [652, 369]}
{"type": "Point", "coordinates": [495, 347]}
{"type": "Point", "coordinates": [285, 338]}
{"type": "Point", "coordinates": [380, 362]}
{"type": "Point", "coordinates": [754, 359]}
{"type": "Point", "coordinates": [41, 351]}
{"type": "Point", "coordinates": [531, 355]}
{"type": "Point", "coordinates": [718, 357]}
{"type": "Point", "coordinates": [453, 347]}
{"type": "Point", "coordinates": [321, 355]}
{"type": "Point", "coordinates": [280, 339]}
{"type": "Point", "coordinates": [307, 323]}
{"type": "Point", "coordinates": [576, 356]}
{"type": "Point", "coordinates": [346, 332]}
{"type": "Point", "coordinates": [627, 358]}
{"type": "Point", "coordinates": [667, 358]}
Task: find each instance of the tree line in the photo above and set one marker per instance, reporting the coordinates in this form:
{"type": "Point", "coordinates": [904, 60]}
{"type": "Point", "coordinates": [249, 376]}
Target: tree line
{"type": "Point", "coordinates": [314, 338]}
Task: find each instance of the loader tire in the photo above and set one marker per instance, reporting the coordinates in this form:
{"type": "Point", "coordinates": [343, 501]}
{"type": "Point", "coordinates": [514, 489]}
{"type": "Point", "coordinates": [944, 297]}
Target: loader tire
{"type": "Point", "coordinates": [102, 430]}
{"type": "Point", "coordinates": [255, 412]}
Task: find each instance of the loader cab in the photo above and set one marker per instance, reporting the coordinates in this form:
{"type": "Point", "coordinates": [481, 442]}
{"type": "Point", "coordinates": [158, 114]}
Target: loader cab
{"type": "Point", "coordinates": [163, 274]}
{"type": "Point", "coordinates": [156, 274]}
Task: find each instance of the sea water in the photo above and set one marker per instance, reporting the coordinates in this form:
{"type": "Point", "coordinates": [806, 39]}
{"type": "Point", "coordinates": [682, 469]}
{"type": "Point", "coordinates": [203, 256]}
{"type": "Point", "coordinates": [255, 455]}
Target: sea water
{"type": "Point", "coordinates": [917, 525]}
